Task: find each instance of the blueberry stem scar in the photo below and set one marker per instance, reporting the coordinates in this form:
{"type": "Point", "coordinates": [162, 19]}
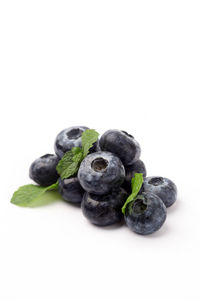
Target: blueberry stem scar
{"type": "Point", "coordinates": [99, 164]}
{"type": "Point", "coordinates": [74, 133]}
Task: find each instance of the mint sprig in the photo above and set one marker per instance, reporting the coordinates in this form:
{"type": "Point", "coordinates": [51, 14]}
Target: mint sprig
{"type": "Point", "coordinates": [70, 162]}
{"type": "Point", "coordinates": [136, 184]}
{"type": "Point", "coordinates": [28, 194]}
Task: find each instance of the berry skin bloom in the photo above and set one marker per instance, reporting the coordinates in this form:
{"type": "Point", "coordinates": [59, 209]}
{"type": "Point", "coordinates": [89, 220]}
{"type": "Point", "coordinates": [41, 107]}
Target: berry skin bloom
{"type": "Point", "coordinates": [162, 187]}
{"type": "Point", "coordinates": [100, 172]}
{"type": "Point", "coordinates": [121, 144]}
{"type": "Point", "coordinates": [103, 210]}
{"type": "Point", "coordinates": [146, 214]}
{"type": "Point", "coordinates": [71, 190]}
{"type": "Point", "coordinates": [43, 170]}
{"type": "Point", "coordinates": [69, 138]}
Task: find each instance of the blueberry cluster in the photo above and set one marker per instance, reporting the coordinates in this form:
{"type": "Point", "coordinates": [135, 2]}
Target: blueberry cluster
{"type": "Point", "coordinates": [104, 181]}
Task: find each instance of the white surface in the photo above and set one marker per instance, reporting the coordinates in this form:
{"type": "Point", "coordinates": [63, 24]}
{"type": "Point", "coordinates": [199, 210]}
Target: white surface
{"type": "Point", "coordinates": [132, 65]}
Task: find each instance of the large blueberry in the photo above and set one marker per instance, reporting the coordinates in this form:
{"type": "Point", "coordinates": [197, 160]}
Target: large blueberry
{"type": "Point", "coordinates": [104, 210]}
{"type": "Point", "coordinates": [71, 190]}
{"type": "Point", "coordinates": [137, 167]}
{"type": "Point", "coordinates": [68, 138]}
{"type": "Point", "coordinates": [122, 144]}
{"type": "Point", "coordinates": [146, 214]}
{"type": "Point", "coordinates": [43, 170]}
{"type": "Point", "coordinates": [162, 187]}
{"type": "Point", "coordinates": [100, 172]}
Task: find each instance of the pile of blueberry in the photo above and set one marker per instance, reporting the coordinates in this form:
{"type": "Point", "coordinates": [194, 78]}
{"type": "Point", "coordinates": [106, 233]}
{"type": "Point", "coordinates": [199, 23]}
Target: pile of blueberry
{"type": "Point", "coordinates": [104, 181]}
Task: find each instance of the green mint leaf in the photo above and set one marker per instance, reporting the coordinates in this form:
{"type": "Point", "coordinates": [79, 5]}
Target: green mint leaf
{"type": "Point", "coordinates": [70, 162]}
{"type": "Point", "coordinates": [128, 200]}
{"type": "Point", "coordinates": [89, 137]}
{"type": "Point", "coordinates": [26, 195]}
{"type": "Point", "coordinates": [76, 150]}
{"type": "Point", "coordinates": [78, 154]}
{"type": "Point", "coordinates": [136, 184]}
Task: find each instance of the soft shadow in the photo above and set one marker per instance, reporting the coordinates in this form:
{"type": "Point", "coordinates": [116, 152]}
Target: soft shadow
{"type": "Point", "coordinates": [163, 231]}
{"type": "Point", "coordinates": [174, 206]}
{"type": "Point", "coordinates": [75, 205]}
{"type": "Point", "coordinates": [51, 197]}
{"type": "Point", "coordinates": [110, 227]}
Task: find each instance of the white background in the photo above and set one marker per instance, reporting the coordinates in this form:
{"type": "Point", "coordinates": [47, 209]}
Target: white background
{"type": "Point", "coordinates": [131, 65]}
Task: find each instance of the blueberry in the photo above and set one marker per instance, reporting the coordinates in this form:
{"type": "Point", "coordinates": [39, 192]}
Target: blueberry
{"type": "Point", "coordinates": [71, 190]}
{"type": "Point", "coordinates": [137, 167]}
{"type": "Point", "coordinates": [100, 172]}
{"type": "Point", "coordinates": [147, 215]}
{"type": "Point", "coordinates": [43, 170]}
{"type": "Point", "coordinates": [68, 138]}
{"type": "Point", "coordinates": [122, 144]}
{"type": "Point", "coordinates": [104, 210]}
{"type": "Point", "coordinates": [162, 187]}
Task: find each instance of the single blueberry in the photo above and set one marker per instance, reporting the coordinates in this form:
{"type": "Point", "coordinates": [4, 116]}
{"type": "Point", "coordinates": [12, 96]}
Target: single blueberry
{"type": "Point", "coordinates": [104, 210]}
{"type": "Point", "coordinates": [122, 144]}
{"type": "Point", "coordinates": [71, 190]}
{"type": "Point", "coordinates": [69, 138]}
{"type": "Point", "coordinates": [100, 172]}
{"type": "Point", "coordinates": [162, 187]}
{"type": "Point", "coordinates": [43, 170]}
{"type": "Point", "coordinates": [137, 167]}
{"type": "Point", "coordinates": [146, 214]}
